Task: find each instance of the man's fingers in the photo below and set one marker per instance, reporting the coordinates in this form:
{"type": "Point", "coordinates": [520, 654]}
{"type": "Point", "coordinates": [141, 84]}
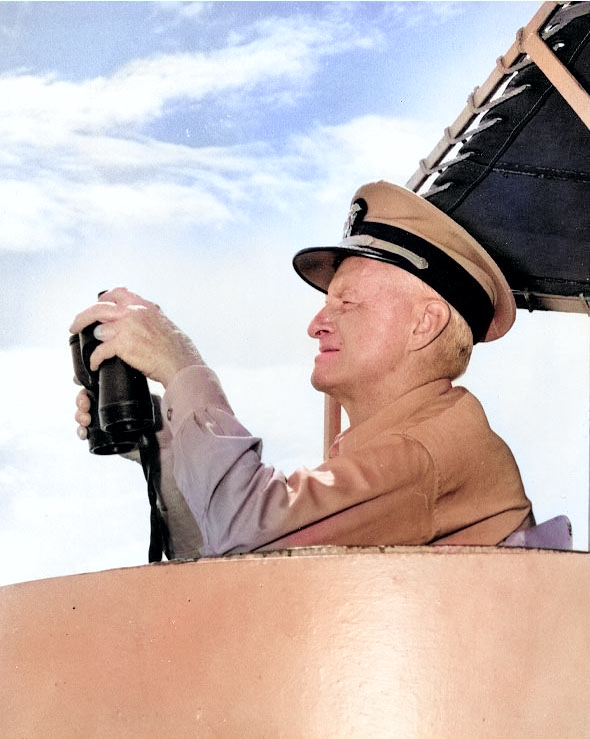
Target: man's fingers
{"type": "Point", "coordinates": [111, 305]}
{"type": "Point", "coordinates": [139, 333]}
{"type": "Point", "coordinates": [101, 312]}
{"type": "Point", "coordinates": [102, 352]}
{"type": "Point", "coordinates": [122, 296]}
{"type": "Point", "coordinates": [83, 401]}
{"type": "Point", "coordinates": [82, 415]}
{"type": "Point", "coordinates": [82, 418]}
{"type": "Point", "coordinates": [105, 331]}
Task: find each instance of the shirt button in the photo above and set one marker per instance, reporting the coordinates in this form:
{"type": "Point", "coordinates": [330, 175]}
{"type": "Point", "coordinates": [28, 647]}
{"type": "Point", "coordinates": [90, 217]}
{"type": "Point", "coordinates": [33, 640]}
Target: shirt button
{"type": "Point", "coordinates": [169, 414]}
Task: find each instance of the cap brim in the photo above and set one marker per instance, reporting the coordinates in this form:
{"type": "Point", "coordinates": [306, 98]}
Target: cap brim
{"type": "Point", "coordinates": [317, 265]}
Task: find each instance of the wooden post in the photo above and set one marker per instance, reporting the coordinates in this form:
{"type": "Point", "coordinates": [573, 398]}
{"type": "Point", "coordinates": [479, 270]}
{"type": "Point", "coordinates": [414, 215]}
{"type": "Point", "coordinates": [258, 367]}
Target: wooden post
{"type": "Point", "coordinates": [559, 76]}
{"type": "Point", "coordinates": [332, 422]}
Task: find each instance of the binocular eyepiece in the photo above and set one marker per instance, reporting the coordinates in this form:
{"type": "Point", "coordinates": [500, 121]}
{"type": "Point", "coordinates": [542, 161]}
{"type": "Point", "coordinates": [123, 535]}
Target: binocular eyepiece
{"type": "Point", "coordinates": [121, 406]}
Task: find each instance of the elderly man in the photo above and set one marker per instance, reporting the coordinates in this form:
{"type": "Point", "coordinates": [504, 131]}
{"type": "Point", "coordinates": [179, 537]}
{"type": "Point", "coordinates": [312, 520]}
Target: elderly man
{"type": "Point", "coordinates": [408, 294]}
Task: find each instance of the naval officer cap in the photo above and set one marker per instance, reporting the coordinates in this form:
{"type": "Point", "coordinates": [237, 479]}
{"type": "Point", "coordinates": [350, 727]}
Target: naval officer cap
{"type": "Point", "coordinates": [394, 225]}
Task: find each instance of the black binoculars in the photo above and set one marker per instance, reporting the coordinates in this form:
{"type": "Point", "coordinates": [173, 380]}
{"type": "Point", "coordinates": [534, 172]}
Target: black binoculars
{"type": "Point", "coordinates": [121, 406]}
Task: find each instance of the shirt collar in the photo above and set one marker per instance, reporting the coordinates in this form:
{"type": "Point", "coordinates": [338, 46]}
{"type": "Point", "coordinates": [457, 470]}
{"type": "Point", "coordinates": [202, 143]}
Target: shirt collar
{"type": "Point", "coordinates": [389, 417]}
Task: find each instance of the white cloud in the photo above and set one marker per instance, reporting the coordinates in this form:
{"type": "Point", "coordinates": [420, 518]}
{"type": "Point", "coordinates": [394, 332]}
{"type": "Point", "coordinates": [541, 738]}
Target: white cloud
{"type": "Point", "coordinates": [100, 184]}
{"type": "Point", "coordinates": [74, 157]}
{"type": "Point", "coordinates": [174, 11]}
{"type": "Point", "coordinates": [423, 14]}
{"type": "Point", "coordinates": [364, 148]}
{"type": "Point", "coordinates": [44, 111]}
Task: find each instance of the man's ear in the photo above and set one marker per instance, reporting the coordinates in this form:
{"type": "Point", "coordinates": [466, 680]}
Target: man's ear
{"type": "Point", "coordinates": [431, 322]}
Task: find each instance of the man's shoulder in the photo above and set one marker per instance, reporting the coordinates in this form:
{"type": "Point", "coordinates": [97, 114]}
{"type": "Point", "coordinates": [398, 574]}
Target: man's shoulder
{"type": "Point", "coordinates": [448, 404]}
{"type": "Point", "coordinates": [451, 422]}
{"type": "Point", "coordinates": [426, 414]}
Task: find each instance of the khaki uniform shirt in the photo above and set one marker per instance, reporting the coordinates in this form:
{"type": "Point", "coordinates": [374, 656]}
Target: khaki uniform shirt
{"type": "Point", "coordinates": [426, 469]}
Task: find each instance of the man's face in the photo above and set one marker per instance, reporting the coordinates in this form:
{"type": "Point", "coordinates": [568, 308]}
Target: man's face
{"type": "Point", "coordinates": [363, 329]}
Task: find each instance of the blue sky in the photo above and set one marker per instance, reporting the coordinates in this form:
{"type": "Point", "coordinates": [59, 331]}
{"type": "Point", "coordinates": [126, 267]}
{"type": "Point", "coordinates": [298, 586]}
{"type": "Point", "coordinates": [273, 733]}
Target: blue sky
{"type": "Point", "coordinates": [187, 150]}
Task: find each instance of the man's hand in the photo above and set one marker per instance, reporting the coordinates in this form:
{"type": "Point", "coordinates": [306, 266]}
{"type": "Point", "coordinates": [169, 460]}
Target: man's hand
{"type": "Point", "coordinates": [139, 333]}
{"type": "Point", "coordinates": [82, 415]}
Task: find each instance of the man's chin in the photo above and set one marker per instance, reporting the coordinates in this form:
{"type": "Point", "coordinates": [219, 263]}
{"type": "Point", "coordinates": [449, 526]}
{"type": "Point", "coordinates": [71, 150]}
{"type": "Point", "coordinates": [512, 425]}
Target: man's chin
{"type": "Point", "coordinates": [321, 383]}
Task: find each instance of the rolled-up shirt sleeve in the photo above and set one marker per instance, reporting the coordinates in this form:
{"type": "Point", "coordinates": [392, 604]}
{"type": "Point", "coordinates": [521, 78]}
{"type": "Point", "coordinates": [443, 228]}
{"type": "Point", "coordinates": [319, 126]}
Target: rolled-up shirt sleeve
{"type": "Point", "coordinates": [218, 467]}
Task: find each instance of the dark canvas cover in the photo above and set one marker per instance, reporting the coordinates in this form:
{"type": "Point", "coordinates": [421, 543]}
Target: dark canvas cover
{"type": "Point", "coordinates": [524, 188]}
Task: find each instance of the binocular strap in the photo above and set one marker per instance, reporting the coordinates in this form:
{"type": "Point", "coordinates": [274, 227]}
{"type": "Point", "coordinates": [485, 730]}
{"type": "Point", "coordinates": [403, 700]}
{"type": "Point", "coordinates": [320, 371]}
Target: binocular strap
{"type": "Point", "coordinates": [149, 451]}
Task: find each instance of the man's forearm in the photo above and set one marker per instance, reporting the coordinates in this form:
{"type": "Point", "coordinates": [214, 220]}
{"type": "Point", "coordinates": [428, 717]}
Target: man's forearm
{"type": "Point", "coordinates": [185, 536]}
{"type": "Point", "coordinates": [218, 467]}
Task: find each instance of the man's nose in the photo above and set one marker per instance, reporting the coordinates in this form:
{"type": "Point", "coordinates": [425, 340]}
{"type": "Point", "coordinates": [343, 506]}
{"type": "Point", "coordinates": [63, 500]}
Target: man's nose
{"type": "Point", "coordinates": [321, 323]}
